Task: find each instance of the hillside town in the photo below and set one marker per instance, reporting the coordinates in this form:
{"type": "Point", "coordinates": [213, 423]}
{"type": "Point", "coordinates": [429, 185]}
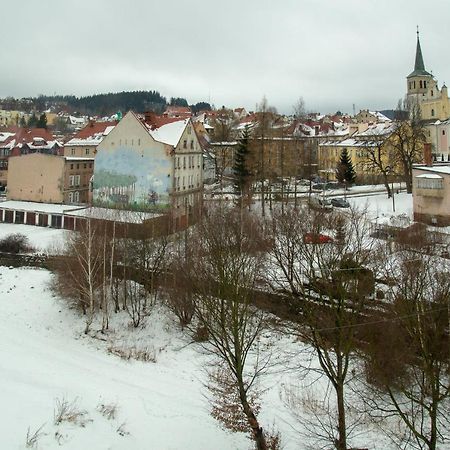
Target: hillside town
{"type": "Point", "coordinates": [178, 276]}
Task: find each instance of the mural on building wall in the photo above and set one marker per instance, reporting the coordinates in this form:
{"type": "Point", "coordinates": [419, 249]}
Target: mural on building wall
{"type": "Point", "coordinates": [132, 178]}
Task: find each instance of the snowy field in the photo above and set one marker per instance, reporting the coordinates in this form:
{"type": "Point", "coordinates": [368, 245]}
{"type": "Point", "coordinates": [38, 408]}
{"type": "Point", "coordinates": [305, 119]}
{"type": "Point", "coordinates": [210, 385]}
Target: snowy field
{"type": "Point", "coordinates": [43, 239]}
{"type": "Point", "coordinates": [45, 358]}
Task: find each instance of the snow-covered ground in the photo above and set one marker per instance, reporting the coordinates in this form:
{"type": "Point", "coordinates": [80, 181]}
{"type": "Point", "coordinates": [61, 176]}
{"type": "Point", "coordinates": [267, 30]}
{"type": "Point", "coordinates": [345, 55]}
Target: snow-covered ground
{"type": "Point", "coordinates": [43, 239]}
{"type": "Point", "coordinates": [45, 357]}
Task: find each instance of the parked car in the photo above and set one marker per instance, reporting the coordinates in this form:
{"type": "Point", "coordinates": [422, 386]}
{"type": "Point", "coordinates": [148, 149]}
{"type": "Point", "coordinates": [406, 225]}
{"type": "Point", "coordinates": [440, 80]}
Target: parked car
{"type": "Point", "coordinates": [317, 238]}
{"type": "Point", "coordinates": [340, 203]}
{"type": "Point", "coordinates": [319, 186]}
{"type": "Point", "coordinates": [319, 202]}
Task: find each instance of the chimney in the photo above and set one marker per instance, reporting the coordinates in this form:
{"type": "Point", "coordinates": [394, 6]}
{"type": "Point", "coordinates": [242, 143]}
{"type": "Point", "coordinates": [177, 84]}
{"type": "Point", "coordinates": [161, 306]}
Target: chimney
{"type": "Point", "coordinates": [427, 157]}
{"type": "Point", "coordinates": [149, 116]}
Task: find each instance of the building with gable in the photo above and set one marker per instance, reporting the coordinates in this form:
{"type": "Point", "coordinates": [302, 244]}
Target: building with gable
{"type": "Point", "coordinates": [17, 141]}
{"type": "Point", "coordinates": [151, 163]}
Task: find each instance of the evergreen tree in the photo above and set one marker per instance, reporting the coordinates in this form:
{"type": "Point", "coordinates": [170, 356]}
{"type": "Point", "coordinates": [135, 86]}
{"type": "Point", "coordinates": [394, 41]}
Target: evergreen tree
{"type": "Point", "coordinates": [240, 170]}
{"type": "Point", "coordinates": [32, 121]}
{"type": "Point", "coordinates": [42, 122]}
{"type": "Point", "coordinates": [345, 172]}
{"type": "Point", "coordinates": [22, 122]}
{"type": "Point", "coordinates": [178, 101]}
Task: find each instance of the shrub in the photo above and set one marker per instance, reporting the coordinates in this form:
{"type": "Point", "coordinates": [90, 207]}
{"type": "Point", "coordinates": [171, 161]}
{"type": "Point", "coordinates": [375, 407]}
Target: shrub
{"type": "Point", "coordinates": [15, 243]}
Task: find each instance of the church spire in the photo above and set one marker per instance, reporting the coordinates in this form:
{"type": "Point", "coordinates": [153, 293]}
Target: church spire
{"type": "Point", "coordinates": [419, 65]}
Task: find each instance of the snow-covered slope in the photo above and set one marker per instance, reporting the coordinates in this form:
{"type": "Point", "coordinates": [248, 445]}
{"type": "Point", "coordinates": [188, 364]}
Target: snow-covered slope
{"type": "Point", "coordinates": [44, 357]}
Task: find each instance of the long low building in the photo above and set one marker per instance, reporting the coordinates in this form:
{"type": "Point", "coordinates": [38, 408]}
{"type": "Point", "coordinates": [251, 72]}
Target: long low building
{"type": "Point", "coordinates": [72, 217]}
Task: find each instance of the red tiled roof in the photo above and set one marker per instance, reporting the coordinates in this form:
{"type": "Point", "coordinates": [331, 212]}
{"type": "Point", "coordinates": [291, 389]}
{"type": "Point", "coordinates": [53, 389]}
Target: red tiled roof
{"type": "Point", "coordinates": [178, 109]}
{"type": "Point", "coordinates": [154, 121]}
{"type": "Point", "coordinates": [93, 128]}
{"type": "Point", "coordinates": [26, 135]}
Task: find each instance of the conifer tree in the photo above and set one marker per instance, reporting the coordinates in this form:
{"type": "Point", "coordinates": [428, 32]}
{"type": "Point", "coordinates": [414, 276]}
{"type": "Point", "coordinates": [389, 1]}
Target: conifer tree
{"type": "Point", "coordinates": [240, 168]}
{"type": "Point", "coordinates": [32, 121]}
{"type": "Point", "coordinates": [345, 172]}
{"type": "Point", "coordinates": [42, 122]}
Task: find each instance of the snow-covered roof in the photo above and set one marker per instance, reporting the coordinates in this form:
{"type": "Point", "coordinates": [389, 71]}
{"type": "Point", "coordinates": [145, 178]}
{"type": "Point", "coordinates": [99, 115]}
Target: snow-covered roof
{"type": "Point", "coordinates": [381, 117]}
{"type": "Point", "coordinates": [50, 208]}
{"type": "Point", "coordinates": [91, 135]}
{"type": "Point", "coordinates": [444, 169]}
{"type": "Point", "coordinates": [4, 136]}
{"type": "Point", "coordinates": [169, 133]}
{"type": "Point", "coordinates": [118, 215]}
{"type": "Point", "coordinates": [77, 120]}
{"type": "Point", "coordinates": [429, 176]}
{"type": "Point", "coordinates": [40, 144]}
{"type": "Point", "coordinates": [78, 158]}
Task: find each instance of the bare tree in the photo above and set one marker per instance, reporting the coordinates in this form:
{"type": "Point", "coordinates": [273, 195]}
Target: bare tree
{"type": "Point", "coordinates": [379, 155]}
{"type": "Point", "coordinates": [322, 262]}
{"type": "Point", "coordinates": [408, 358]}
{"type": "Point", "coordinates": [408, 139]}
{"type": "Point", "coordinates": [225, 263]}
{"type": "Point", "coordinates": [262, 132]}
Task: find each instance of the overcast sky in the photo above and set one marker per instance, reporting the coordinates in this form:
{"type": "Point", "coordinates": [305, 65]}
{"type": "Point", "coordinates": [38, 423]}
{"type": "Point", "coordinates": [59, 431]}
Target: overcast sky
{"type": "Point", "coordinates": [333, 53]}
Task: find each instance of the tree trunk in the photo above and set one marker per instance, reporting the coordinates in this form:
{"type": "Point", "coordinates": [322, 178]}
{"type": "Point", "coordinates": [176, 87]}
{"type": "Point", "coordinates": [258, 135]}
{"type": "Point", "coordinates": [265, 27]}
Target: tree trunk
{"type": "Point", "coordinates": [341, 443]}
{"type": "Point", "coordinates": [257, 431]}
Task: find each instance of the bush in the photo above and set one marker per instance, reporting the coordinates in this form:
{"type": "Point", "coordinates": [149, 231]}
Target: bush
{"type": "Point", "coordinates": [15, 243]}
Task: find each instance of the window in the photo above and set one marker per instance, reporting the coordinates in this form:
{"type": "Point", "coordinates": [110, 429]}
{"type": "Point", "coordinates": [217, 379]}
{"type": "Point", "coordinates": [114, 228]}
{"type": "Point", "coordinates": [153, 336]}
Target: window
{"type": "Point", "coordinates": [77, 180]}
{"type": "Point", "coordinates": [192, 145]}
{"type": "Point", "coordinates": [71, 166]}
{"type": "Point", "coordinates": [424, 84]}
{"type": "Point", "coordinates": [184, 161]}
{"type": "Point", "coordinates": [76, 197]}
{"type": "Point", "coordinates": [432, 92]}
{"type": "Point", "coordinates": [72, 151]}
{"type": "Point", "coordinates": [71, 180]}
{"type": "Point", "coordinates": [85, 166]}
{"type": "Point", "coordinates": [70, 197]}
{"type": "Point", "coordinates": [185, 144]}
{"type": "Point", "coordinates": [78, 166]}
{"type": "Point", "coordinates": [87, 151]}
{"type": "Point", "coordinates": [432, 112]}
{"type": "Point", "coordinates": [443, 132]}
{"type": "Point", "coordinates": [430, 183]}
{"type": "Point", "coordinates": [184, 179]}
{"type": "Point", "coordinates": [414, 83]}
{"type": "Point", "coordinates": [420, 84]}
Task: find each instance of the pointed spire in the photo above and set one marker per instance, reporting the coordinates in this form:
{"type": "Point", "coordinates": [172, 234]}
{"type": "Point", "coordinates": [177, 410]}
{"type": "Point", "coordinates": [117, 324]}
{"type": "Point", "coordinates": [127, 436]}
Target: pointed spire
{"type": "Point", "coordinates": [419, 65]}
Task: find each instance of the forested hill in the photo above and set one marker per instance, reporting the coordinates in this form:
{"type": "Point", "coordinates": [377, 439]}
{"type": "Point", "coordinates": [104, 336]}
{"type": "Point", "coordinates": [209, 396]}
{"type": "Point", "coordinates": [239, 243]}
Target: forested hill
{"type": "Point", "coordinates": [103, 104]}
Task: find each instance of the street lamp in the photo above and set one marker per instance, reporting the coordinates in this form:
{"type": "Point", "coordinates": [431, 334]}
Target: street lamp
{"type": "Point", "coordinates": [390, 171]}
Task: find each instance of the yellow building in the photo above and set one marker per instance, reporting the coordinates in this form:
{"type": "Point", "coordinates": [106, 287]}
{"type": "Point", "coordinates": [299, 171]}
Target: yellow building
{"type": "Point", "coordinates": [11, 118]}
{"type": "Point", "coordinates": [375, 140]}
{"type": "Point", "coordinates": [422, 89]}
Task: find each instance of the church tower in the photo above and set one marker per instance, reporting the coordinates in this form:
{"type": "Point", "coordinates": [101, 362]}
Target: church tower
{"type": "Point", "coordinates": [423, 90]}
